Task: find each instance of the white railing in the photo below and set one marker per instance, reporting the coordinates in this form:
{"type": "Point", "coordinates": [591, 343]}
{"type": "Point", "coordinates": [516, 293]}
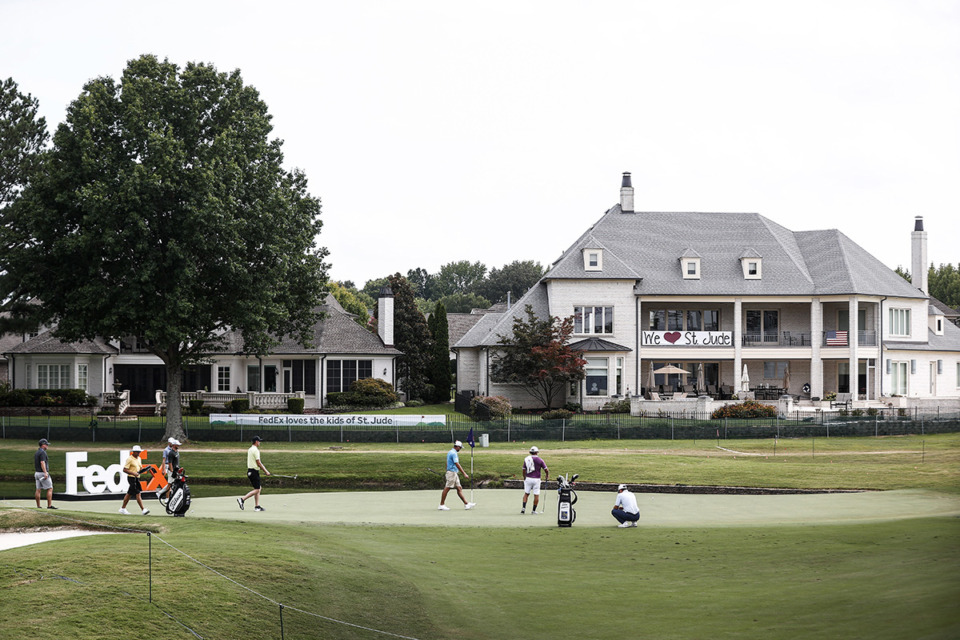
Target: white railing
{"type": "Point", "coordinates": [270, 401]}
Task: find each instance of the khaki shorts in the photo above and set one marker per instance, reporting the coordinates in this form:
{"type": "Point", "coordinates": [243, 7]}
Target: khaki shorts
{"type": "Point", "coordinates": [453, 480]}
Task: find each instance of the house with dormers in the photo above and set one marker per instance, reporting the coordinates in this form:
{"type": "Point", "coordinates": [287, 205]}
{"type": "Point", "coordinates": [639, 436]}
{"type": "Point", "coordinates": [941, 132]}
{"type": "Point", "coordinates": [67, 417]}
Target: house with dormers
{"type": "Point", "coordinates": [738, 299]}
{"type": "Point", "coordinates": [341, 352]}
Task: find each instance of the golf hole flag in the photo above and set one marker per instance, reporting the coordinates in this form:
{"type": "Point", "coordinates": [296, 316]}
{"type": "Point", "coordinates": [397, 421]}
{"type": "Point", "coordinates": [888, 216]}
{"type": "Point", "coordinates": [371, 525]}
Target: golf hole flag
{"type": "Point", "coordinates": [470, 438]}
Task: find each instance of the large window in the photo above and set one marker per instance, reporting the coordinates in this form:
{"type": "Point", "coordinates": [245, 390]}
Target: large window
{"type": "Point", "coordinates": [303, 376]}
{"type": "Point", "coordinates": [900, 322]}
{"type": "Point", "coordinates": [597, 377]}
{"type": "Point", "coordinates": [343, 373]}
{"type": "Point", "coordinates": [223, 379]}
{"type": "Point", "coordinates": [774, 369]}
{"type": "Point", "coordinates": [696, 320]}
{"type": "Point", "coordinates": [898, 378]}
{"type": "Point", "coordinates": [253, 377]}
{"type": "Point", "coordinates": [593, 319]}
{"type": "Point", "coordinates": [82, 377]}
{"type": "Point", "coordinates": [762, 325]}
{"type": "Point", "coordinates": [53, 376]}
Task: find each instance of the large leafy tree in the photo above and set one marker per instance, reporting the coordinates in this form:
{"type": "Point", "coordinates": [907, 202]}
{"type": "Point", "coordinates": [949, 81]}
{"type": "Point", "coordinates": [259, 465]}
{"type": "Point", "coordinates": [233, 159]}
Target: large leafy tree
{"type": "Point", "coordinates": [440, 375]}
{"type": "Point", "coordinates": [351, 303]}
{"type": "Point", "coordinates": [943, 283]}
{"type": "Point", "coordinates": [458, 277]}
{"type": "Point", "coordinates": [464, 302]}
{"type": "Point", "coordinates": [537, 356]}
{"type": "Point", "coordinates": [412, 337]}
{"type": "Point", "coordinates": [163, 212]}
{"type": "Point", "coordinates": [516, 277]}
{"type": "Point", "coordinates": [23, 136]}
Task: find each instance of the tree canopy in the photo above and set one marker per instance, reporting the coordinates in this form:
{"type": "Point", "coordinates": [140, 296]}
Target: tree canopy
{"type": "Point", "coordinates": [943, 282]}
{"type": "Point", "coordinates": [516, 278]}
{"type": "Point", "coordinates": [22, 136]}
{"type": "Point", "coordinates": [412, 337]}
{"type": "Point", "coordinates": [163, 212]}
{"type": "Point", "coordinates": [537, 356]}
{"type": "Point", "coordinates": [440, 376]}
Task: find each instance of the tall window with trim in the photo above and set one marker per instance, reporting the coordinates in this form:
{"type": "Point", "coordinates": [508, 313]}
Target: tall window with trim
{"type": "Point", "coordinates": [223, 378]}
{"type": "Point", "coordinates": [898, 378]}
{"type": "Point", "coordinates": [82, 376]}
{"type": "Point", "coordinates": [593, 320]}
{"type": "Point", "coordinates": [900, 322]}
{"type": "Point", "coordinates": [343, 373]}
{"type": "Point", "coordinates": [596, 370]}
{"type": "Point", "coordinates": [53, 376]}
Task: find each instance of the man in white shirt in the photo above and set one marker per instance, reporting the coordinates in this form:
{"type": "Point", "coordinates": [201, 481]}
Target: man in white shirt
{"type": "Point", "coordinates": [625, 509]}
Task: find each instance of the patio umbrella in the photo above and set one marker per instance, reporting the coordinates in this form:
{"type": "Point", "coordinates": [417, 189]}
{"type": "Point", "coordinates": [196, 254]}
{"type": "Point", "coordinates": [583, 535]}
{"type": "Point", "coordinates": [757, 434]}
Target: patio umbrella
{"type": "Point", "coordinates": [701, 387]}
{"type": "Point", "coordinates": [651, 383]}
{"type": "Point", "coordinates": [786, 379]}
{"type": "Point", "coordinates": [745, 379]}
{"type": "Point", "coordinates": [672, 369]}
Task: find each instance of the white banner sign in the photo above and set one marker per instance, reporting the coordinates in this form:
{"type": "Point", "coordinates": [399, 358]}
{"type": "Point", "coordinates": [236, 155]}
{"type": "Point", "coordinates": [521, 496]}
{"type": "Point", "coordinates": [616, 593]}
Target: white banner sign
{"type": "Point", "coordinates": [686, 338]}
{"type": "Point", "coordinates": [333, 420]}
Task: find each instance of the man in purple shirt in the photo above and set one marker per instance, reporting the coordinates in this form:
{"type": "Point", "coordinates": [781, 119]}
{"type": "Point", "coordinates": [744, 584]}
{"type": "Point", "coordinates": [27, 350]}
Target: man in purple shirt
{"type": "Point", "coordinates": [532, 466]}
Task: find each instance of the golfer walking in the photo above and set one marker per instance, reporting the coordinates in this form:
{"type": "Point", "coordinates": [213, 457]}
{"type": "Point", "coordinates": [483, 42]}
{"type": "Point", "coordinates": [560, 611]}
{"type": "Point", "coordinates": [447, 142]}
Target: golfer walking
{"type": "Point", "coordinates": [533, 465]}
{"type": "Point", "coordinates": [253, 474]}
{"type": "Point", "coordinates": [625, 509]}
{"type": "Point", "coordinates": [453, 478]}
{"type": "Point", "coordinates": [41, 473]}
{"type": "Point", "coordinates": [133, 468]}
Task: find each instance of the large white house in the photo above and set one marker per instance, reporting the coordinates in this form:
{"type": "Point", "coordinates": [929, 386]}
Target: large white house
{"type": "Point", "coordinates": [341, 352]}
{"type": "Point", "coordinates": [739, 296]}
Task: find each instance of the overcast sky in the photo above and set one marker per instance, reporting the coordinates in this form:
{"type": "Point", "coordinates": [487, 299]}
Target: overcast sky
{"type": "Point", "coordinates": [436, 131]}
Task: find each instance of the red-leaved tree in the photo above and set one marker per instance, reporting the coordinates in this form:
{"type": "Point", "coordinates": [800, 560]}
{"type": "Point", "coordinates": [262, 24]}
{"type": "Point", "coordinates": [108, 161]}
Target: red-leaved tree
{"type": "Point", "coordinates": [538, 357]}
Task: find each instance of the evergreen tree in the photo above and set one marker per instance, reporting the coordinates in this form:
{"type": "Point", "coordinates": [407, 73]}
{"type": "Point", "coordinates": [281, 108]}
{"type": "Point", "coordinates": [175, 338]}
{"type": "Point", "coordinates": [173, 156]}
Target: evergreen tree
{"type": "Point", "coordinates": [412, 337]}
{"type": "Point", "coordinates": [440, 376]}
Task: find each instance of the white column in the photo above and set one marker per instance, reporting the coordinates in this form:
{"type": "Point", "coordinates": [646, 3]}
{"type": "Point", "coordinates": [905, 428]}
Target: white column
{"type": "Point", "coordinates": [852, 339]}
{"type": "Point", "coordinates": [816, 337]}
{"type": "Point", "coordinates": [737, 343]}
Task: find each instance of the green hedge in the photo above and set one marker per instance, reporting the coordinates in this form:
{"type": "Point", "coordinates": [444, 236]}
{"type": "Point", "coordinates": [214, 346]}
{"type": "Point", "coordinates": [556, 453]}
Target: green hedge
{"type": "Point", "coordinates": [46, 398]}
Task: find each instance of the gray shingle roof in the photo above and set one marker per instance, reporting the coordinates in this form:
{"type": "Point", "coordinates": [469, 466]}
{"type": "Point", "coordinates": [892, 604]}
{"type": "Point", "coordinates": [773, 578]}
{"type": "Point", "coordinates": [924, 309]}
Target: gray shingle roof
{"type": "Point", "coordinates": [488, 330]}
{"type": "Point", "coordinates": [949, 341]}
{"type": "Point", "coordinates": [47, 343]}
{"type": "Point", "coordinates": [647, 246]}
{"type": "Point", "coordinates": [597, 344]}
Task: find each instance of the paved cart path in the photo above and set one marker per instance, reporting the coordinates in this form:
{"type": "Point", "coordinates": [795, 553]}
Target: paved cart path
{"type": "Point", "coordinates": [501, 508]}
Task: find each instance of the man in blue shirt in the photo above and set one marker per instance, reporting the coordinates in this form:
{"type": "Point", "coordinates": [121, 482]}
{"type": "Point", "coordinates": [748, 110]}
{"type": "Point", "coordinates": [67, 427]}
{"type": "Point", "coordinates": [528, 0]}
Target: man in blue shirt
{"type": "Point", "coordinates": [453, 478]}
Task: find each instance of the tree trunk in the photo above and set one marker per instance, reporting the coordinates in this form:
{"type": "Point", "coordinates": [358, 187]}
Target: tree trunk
{"type": "Point", "coordinates": [174, 408]}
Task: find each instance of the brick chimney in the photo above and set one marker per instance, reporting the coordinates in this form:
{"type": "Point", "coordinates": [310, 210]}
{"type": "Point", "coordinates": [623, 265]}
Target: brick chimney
{"type": "Point", "coordinates": [385, 315]}
{"type": "Point", "coordinates": [918, 257]}
{"type": "Point", "coordinates": [626, 194]}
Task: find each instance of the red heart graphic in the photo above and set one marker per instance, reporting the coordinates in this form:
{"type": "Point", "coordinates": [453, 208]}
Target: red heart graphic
{"type": "Point", "coordinates": [671, 336]}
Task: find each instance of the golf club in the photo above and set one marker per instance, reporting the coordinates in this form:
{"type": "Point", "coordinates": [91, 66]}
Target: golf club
{"type": "Point", "coordinates": [277, 475]}
{"type": "Point", "coordinates": [436, 472]}
{"type": "Point", "coordinates": [543, 498]}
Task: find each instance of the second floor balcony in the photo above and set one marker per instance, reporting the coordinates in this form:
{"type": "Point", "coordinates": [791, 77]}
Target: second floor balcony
{"type": "Point", "coordinates": [805, 339]}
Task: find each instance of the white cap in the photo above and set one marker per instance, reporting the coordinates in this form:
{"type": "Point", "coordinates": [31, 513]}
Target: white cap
{"type": "Point", "coordinates": [173, 441]}
{"type": "Point", "coordinates": [621, 488]}
{"type": "Point", "coordinates": [136, 449]}
{"type": "Point", "coordinates": [458, 444]}
{"type": "Point", "coordinates": [534, 450]}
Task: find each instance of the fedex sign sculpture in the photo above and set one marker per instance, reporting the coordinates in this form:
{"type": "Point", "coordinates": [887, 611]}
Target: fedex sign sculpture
{"type": "Point", "coordinates": [97, 479]}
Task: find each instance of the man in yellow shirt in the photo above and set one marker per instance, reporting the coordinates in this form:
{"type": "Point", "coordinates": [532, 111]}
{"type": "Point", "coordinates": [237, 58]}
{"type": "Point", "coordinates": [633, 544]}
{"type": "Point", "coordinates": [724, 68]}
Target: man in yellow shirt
{"type": "Point", "coordinates": [132, 468]}
{"type": "Point", "coordinates": [253, 474]}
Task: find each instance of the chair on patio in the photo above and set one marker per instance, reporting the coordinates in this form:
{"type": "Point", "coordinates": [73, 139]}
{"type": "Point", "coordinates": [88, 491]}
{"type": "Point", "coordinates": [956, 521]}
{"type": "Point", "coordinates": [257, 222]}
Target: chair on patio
{"type": "Point", "coordinates": [653, 395]}
{"type": "Point", "coordinates": [844, 400]}
{"type": "Point", "coordinates": [726, 392]}
{"type": "Point", "coordinates": [679, 395]}
{"type": "Point", "coordinates": [712, 391]}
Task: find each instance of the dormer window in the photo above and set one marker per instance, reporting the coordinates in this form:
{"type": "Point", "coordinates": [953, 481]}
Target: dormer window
{"type": "Point", "coordinates": [690, 265]}
{"type": "Point", "coordinates": [752, 265]}
{"type": "Point", "coordinates": [938, 325]}
{"type": "Point", "coordinates": [593, 260]}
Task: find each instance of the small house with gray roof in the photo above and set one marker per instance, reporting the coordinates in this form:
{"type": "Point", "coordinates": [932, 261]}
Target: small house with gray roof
{"type": "Point", "coordinates": [341, 351]}
{"type": "Point", "coordinates": [736, 302]}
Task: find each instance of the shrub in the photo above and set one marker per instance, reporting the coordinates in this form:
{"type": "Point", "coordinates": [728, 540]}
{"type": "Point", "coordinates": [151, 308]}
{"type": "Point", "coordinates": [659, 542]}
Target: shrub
{"type": "Point", "coordinates": [575, 407]}
{"type": "Point", "coordinates": [618, 406]}
{"type": "Point", "coordinates": [831, 396]}
{"type": "Point", "coordinates": [745, 409]}
{"type": "Point", "coordinates": [413, 403]}
{"type": "Point", "coordinates": [366, 392]}
{"type": "Point", "coordinates": [295, 405]}
{"type": "Point", "coordinates": [872, 411]}
{"type": "Point", "coordinates": [498, 407]}
{"type": "Point", "coordinates": [556, 414]}
{"type": "Point", "coordinates": [237, 405]}
{"type": "Point", "coordinates": [195, 406]}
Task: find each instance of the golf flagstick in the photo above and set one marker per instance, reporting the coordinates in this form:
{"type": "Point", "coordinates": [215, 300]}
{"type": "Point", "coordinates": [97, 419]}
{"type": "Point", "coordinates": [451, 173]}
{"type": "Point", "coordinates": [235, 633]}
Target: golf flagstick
{"type": "Point", "coordinates": [471, 443]}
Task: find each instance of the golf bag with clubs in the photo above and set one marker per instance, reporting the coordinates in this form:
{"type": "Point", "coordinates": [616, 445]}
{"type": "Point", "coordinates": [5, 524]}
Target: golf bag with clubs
{"type": "Point", "coordinates": [177, 499]}
{"type": "Point", "coordinates": [566, 498]}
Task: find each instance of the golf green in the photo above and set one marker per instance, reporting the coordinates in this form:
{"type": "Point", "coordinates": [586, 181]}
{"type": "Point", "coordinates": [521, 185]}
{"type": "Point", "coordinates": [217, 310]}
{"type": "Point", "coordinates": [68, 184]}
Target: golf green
{"type": "Point", "coordinates": [501, 508]}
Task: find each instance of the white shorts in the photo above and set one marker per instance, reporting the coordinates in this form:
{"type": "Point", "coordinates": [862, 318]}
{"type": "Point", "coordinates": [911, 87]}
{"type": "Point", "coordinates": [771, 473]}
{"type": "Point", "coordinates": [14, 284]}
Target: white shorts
{"type": "Point", "coordinates": [43, 483]}
{"type": "Point", "coordinates": [453, 480]}
{"type": "Point", "coordinates": [531, 485]}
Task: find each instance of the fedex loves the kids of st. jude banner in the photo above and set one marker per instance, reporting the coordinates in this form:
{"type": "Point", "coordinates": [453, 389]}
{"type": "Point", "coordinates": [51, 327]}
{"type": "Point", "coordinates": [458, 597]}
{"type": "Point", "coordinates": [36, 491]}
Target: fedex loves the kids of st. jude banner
{"type": "Point", "coordinates": [332, 420]}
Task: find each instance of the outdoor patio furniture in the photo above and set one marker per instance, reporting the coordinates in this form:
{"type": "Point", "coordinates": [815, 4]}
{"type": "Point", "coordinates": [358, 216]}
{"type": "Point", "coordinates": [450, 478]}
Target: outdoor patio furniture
{"type": "Point", "coordinates": [844, 400]}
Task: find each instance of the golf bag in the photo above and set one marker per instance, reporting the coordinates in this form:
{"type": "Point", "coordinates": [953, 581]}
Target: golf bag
{"type": "Point", "coordinates": [566, 498]}
{"type": "Point", "coordinates": [177, 499]}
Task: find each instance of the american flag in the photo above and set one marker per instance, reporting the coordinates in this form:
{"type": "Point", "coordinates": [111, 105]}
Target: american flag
{"type": "Point", "coordinates": [836, 338]}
